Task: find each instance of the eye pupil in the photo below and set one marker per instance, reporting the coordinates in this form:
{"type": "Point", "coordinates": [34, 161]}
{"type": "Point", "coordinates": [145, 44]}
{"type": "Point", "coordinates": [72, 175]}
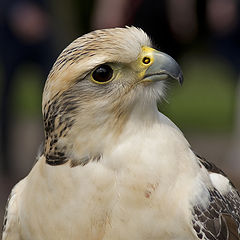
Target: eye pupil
{"type": "Point", "coordinates": [102, 74]}
{"type": "Point", "coordinates": [146, 60]}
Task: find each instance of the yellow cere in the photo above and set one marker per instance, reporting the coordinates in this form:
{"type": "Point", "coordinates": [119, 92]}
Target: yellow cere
{"type": "Point", "coordinates": [145, 60]}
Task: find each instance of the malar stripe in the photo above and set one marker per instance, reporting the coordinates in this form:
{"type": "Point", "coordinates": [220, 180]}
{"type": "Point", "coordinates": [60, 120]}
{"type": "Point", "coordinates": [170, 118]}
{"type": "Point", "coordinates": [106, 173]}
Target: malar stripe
{"type": "Point", "coordinates": [56, 162]}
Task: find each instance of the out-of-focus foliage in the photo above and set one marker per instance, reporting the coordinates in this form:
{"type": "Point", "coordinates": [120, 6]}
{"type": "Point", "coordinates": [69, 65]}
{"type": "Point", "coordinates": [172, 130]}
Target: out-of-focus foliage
{"type": "Point", "coordinates": [205, 102]}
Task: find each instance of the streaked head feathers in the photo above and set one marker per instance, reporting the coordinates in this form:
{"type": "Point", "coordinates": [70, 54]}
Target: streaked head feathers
{"type": "Point", "coordinates": [94, 48]}
{"type": "Point", "coordinates": [75, 104]}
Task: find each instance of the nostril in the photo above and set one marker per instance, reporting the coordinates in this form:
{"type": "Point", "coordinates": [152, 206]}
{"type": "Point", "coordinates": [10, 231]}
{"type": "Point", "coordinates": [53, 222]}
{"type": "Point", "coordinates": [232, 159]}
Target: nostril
{"type": "Point", "coordinates": [146, 60]}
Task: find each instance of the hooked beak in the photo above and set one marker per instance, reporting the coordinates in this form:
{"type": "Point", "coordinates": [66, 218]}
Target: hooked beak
{"type": "Point", "coordinates": [163, 67]}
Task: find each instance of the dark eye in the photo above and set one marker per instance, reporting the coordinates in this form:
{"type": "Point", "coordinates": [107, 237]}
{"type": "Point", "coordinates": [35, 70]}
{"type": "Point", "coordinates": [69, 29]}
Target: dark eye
{"type": "Point", "coordinates": [102, 74]}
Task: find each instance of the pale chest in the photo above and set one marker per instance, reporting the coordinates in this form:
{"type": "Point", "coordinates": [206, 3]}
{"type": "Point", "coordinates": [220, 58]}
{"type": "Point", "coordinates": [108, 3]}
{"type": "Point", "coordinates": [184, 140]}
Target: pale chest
{"type": "Point", "coordinates": [128, 199]}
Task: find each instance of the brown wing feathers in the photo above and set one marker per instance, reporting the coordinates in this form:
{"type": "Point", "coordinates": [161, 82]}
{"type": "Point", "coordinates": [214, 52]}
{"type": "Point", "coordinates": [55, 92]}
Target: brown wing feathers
{"type": "Point", "coordinates": [221, 219]}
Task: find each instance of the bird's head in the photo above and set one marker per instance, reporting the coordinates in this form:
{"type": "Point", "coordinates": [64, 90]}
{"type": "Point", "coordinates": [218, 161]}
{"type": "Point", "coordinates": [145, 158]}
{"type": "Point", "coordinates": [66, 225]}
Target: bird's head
{"type": "Point", "coordinates": [96, 84]}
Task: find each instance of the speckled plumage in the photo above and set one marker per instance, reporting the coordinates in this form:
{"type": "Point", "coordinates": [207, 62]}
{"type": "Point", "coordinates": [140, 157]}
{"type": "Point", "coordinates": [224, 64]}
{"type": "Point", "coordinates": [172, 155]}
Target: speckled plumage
{"type": "Point", "coordinates": [221, 218]}
{"type": "Point", "coordinates": [112, 166]}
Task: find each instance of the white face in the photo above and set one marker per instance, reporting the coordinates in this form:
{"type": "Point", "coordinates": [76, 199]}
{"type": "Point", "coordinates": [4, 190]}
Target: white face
{"type": "Point", "coordinates": [99, 79]}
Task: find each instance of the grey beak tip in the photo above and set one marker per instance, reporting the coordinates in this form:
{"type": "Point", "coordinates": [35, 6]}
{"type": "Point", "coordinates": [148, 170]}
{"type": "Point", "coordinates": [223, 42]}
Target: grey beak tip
{"type": "Point", "coordinates": [180, 78]}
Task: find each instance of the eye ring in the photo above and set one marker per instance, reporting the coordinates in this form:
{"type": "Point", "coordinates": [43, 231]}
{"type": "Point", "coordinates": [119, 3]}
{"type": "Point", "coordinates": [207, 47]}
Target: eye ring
{"type": "Point", "coordinates": [146, 60]}
{"type": "Point", "coordinates": [102, 74]}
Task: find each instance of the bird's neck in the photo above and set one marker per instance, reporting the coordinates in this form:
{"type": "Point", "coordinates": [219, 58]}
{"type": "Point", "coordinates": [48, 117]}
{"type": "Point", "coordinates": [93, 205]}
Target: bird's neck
{"type": "Point", "coordinates": [84, 139]}
{"type": "Point", "coordinates": [94, 139]}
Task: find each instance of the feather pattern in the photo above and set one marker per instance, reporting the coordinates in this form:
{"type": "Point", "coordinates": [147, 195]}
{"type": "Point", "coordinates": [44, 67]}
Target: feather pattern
{"type": "Point", "coordinates": [220, 220]}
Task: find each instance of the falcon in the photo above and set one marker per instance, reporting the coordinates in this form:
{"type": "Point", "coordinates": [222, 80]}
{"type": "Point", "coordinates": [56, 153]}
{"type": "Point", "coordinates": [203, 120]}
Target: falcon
{"type": "Point", "coordinates": [112, 166]}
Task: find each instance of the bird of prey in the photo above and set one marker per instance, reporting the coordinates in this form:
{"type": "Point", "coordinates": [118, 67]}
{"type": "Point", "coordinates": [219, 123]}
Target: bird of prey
{"type": "Point", "coordinates": [113, 167]}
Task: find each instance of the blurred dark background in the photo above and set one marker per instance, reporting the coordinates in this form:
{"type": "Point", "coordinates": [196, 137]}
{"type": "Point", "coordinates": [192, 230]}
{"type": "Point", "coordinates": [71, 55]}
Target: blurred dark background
{"type": "Point", "coordinates": [203, 35]}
